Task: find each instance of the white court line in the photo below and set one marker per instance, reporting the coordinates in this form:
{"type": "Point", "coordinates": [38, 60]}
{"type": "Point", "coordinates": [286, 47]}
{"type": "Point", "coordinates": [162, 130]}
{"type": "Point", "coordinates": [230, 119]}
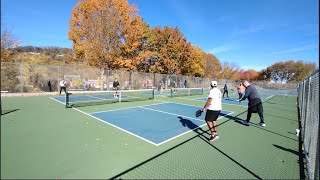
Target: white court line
{"type": "Point", "coordinates": [125, 108]}
{"type": "Point", "coordinates": [92, 97]}
{"type": "Point", "coordinates": [204, 101]}
{"type": "Point", "coordinates": [73, 101]}
{"type": "Point", "coordinates": [140, 136]}
{"type": "Point", "coordinates": [116, 127]}
{"type": "Point", "coordinates": [56, 100]}
{"type": "Point", "coordinates": [171, 113]}
{"type": "Point", "coordinates": [188, 131]}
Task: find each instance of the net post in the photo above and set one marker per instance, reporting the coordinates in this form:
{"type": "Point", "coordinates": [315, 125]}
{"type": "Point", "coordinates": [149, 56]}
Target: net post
{"type": "Point", "coordinates": [152, 93]}
{"type": "Point", "coordinates": [67, 100]}
{"type": "Point", "coordinates": [120, 95]}
{"type": "Point", "coordinates": [171, 93]}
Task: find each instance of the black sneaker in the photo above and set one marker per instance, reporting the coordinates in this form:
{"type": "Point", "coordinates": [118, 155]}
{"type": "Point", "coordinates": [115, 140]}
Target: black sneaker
{"type": "Point", "coordinates": [213, 138]}
{"type": "Point", "coordinates": [244, 122]}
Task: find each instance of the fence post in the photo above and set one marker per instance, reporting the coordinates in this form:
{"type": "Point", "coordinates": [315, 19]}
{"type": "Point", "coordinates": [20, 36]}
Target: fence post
{"type": "Point", "coordinates": [154, 80]}
{"type": "Point", "coordinates": [21, 78]}
{"type": "Point", "coordinates": [107, 79]}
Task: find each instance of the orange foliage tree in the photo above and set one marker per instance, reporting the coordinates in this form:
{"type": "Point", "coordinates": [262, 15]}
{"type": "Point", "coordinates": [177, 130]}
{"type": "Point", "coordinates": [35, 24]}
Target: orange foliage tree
{"type": "Point", "coordinates": [249, 74]}
{"type": "Point", "coordinates": [99, 30]}
{"type": "Point", "coordinates": [110, 34]}
{"type": "Point", "coordinates": [213, 66]}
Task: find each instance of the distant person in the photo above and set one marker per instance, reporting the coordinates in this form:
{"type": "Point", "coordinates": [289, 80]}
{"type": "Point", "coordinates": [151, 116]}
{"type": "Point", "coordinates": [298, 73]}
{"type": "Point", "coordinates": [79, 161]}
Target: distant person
{"type": "Point", "coordinates": [85, 86]}
{"type": "Point", "coordinates": [185, 84]}
{"type": "Point", "coordinates": [63, 85]}
{"type": "Point", "coordinates": [115, 87]}
{"type": "Point", "coordinates": [174, 86]}
{"type": "Point", "coordinates": [49, 85]}
{"type": "Point", "coordinates": [214, 107]}
{"type": "Point", "coordinates": [254, 105]}
{"type": "Point", "coordinates": [161, 86]}
{"type": "Point", "coordinates": [225, 90]}
{"type": "Point", "coordinates": [126, 85]}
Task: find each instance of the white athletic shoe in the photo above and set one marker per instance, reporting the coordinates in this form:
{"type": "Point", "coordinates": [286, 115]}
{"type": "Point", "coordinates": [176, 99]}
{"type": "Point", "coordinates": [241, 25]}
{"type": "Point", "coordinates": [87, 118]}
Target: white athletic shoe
{"type": "Point", "coordinates": [261, 124]}
{"type": "Point", "coordinates": [214, 138]}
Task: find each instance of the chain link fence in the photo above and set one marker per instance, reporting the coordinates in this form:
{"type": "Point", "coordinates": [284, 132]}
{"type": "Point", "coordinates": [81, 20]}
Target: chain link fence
{"type": "Point", "coordinates": [34, 78]}
{"type": "Point", "coordinates": [308, 103]}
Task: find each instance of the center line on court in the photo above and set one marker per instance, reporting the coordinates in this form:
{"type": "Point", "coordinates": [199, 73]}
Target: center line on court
{"type": "Point", "coordinates": [171, 113]}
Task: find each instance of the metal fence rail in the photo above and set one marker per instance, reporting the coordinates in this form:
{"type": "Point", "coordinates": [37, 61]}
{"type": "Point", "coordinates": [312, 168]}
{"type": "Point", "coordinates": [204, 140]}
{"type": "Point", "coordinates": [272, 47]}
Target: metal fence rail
{"type": "Point", "coordinates": [29, 78]}
{"type": "Point", "coordinates": [308, 101]}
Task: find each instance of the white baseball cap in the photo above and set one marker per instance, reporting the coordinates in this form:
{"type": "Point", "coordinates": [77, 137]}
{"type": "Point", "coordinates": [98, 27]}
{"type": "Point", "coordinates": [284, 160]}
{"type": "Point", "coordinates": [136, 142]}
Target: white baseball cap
{"type": "Point", "coordinates": [214, 83]}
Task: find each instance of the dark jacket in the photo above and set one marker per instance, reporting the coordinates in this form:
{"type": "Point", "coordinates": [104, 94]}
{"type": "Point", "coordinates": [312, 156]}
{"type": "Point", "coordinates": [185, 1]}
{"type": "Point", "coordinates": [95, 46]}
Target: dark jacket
{"type": "Point", "coordinates": [250, 93]}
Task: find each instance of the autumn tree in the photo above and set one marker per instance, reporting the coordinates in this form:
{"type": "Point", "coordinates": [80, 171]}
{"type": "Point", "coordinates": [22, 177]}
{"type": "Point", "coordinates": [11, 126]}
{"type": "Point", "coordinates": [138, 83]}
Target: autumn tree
{"type": "Point", "coordinates": [111, 34]}
{"type": "Point", "coordinates": [8, 72]}
{"type": "Point", "coordinates": [229, 71]}
{"type": "Point", "coordinates": [8, 45]}
{"type": "Point", "coordinates": [264, 74]}
{"type": "Point", "coordinates": [302, 70]}
{"type": "Point", "coordinates": [196, 63]}
{"type": "Point", "coordinates": [249, 74]}
{"type": "Point", "coordinates": [286, 71]}
{"type": "Point", "coordinates": [167, 45]}
{"type": "Point", "coordinates": [97, 29]}
{"type": "Point", "coordinates": [213, 66]}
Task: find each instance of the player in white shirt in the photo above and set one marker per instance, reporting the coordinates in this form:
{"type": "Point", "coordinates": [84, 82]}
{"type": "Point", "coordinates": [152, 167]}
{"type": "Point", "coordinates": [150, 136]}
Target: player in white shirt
{"type": "Point", "coordinates": [213, 106]}
{"type": "Point", "coordinates": [63, 85]}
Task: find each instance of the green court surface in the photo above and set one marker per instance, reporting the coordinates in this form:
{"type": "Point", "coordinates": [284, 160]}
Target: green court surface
{"type": "Point", "coordinates": [41, 139]}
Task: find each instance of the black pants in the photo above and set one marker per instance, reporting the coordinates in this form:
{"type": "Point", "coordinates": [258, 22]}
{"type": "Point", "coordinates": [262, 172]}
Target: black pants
{"type": "Point", "coordinates": [225, 91]}
{"type": "Point", "coordinates": [64, 88]}
{"type": "Point", "coordinates": [255, 106]}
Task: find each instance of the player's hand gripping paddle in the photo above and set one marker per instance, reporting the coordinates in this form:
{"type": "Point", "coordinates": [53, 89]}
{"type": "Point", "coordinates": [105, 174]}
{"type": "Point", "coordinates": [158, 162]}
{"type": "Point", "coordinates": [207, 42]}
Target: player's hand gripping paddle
{"type": "Point", "coordinates": [198, 113]}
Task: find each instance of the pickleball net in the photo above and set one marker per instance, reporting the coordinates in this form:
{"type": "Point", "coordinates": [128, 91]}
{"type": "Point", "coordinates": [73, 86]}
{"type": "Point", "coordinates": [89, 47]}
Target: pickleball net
{"type": "Point", "coordinates": [90, 98]}
{"type": "Point", "coordinates": [176, 92]}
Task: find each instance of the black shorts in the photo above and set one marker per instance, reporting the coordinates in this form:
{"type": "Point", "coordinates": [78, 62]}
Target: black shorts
{"type": "Point", "coordinates": [255, 106]}
{"type": "Point", "coordinates": [212, 115]}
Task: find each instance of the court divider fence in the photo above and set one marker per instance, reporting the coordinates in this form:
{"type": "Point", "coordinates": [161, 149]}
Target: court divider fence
{"type": "Point", "coordinates": [34, 78]}
{"type": "Point", "coordinates": [308, 104]}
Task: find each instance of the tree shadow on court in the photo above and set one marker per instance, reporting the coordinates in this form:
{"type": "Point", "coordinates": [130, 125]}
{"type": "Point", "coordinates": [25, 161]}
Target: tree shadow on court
{"type": "Point", "coordinates": [277, 103]}
{"type": "Point", "coordinates": [235, 118]}
{"type": "Point", "coordinates": [285, 118]}
{"type": "Point", "coordinates": [4, 112]}
{"type": "Point", "coordinates": [280, 109]}
{"type": "Point", "coordinates": [202, 134]}
{"type": "Point", "coordinates": [286, 149]}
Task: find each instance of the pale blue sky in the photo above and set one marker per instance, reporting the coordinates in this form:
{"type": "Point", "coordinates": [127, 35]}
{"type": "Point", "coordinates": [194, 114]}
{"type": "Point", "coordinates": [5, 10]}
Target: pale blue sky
{"type": "Point", "coordinates": [250, 33]}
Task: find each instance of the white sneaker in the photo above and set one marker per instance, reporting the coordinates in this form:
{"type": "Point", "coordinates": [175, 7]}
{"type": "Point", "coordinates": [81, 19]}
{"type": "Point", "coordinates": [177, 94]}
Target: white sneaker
{"type": "Point", "coordinates": [261, 124]}
{"type": "Point", "coordinates": [214, 138]}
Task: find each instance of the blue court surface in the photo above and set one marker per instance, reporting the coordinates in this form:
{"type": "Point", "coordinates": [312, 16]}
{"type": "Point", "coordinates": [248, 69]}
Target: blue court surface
{"type": "Point", "coordinates": [87, 98]}
{"type": "Point", "coordinates": [157, 123]}
{"type": "Point", "coordinates": [227, 101]}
